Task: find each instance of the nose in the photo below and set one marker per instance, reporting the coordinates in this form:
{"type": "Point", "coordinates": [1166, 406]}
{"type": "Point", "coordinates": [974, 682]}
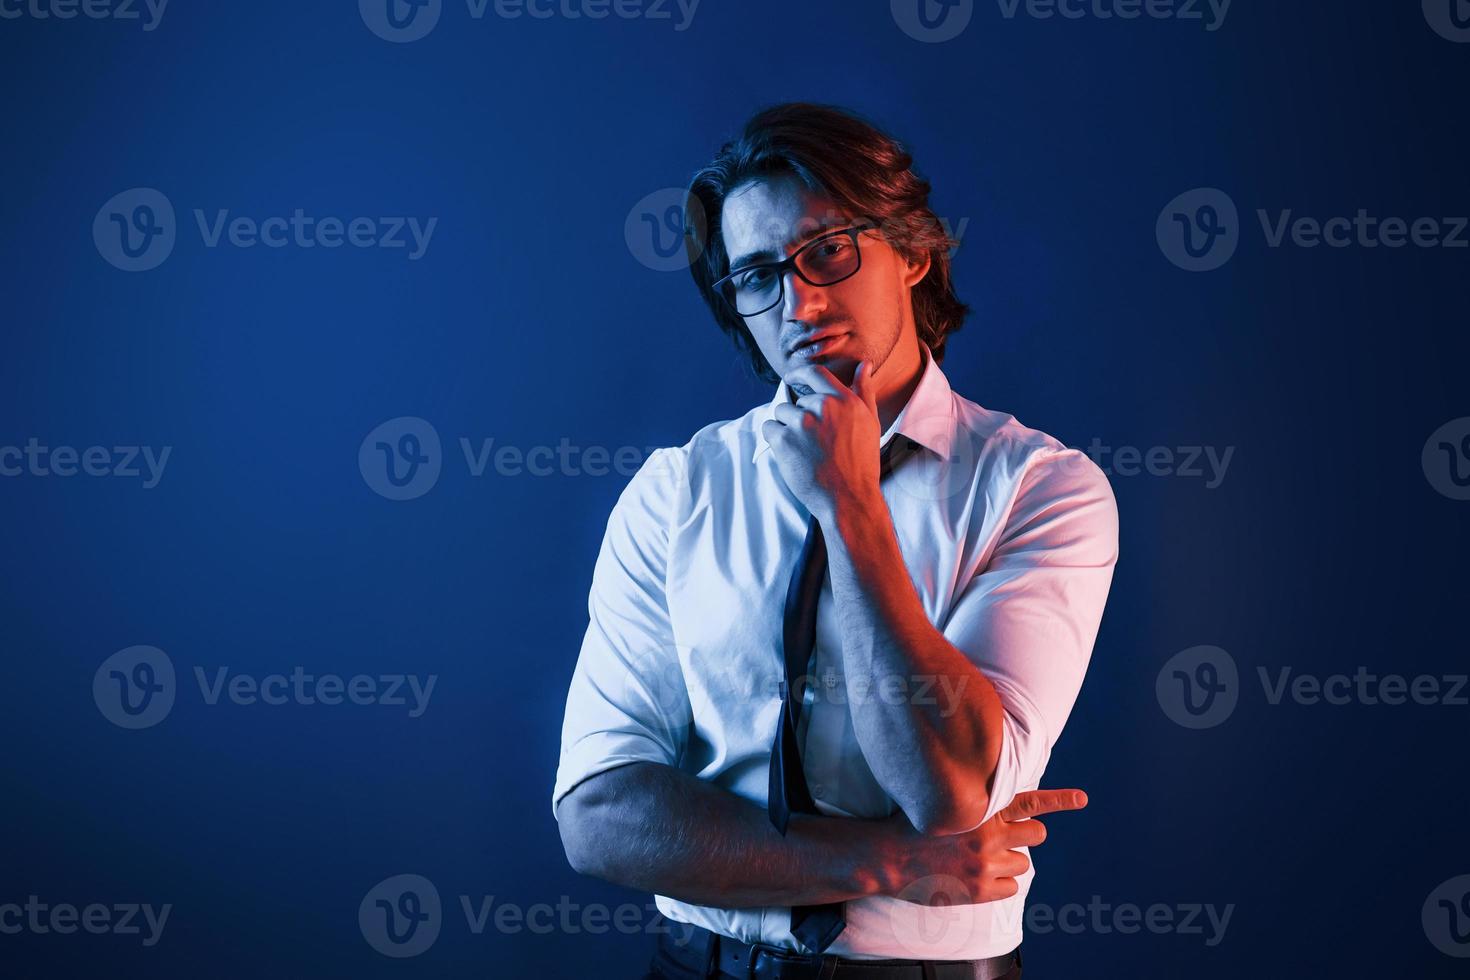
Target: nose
{"type": "Point", "coordinates": [800, 299]}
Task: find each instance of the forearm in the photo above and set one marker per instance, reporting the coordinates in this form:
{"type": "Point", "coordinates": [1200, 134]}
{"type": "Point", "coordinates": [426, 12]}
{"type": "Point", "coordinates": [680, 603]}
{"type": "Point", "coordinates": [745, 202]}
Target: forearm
{"type": "Point", "coordinates": [927, 719]}
{"type": "Point", "coordinates": [657, 829]}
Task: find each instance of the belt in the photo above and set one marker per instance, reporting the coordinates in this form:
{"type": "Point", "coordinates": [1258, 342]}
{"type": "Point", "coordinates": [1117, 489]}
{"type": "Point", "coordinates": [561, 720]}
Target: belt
{"type": "Point", "coordinates": [714, 955]}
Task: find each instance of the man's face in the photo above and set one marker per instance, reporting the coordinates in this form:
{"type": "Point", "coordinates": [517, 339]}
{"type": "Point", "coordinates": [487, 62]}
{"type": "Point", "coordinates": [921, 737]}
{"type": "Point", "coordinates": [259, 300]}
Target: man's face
{"type": "Point", "coordinates": [867, 313]}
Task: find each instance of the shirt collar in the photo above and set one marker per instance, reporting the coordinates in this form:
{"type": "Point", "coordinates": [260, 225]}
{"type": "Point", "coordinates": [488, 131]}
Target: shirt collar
{"type": "Point", "coordinates": [927, 418]}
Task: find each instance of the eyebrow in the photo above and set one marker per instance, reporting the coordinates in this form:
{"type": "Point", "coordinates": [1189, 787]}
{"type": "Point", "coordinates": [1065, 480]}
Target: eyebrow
{"type": "Point", "coordinates": [767, 255]}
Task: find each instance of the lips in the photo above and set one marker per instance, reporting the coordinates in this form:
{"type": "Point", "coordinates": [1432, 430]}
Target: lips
{"type": "Point", "coordinates": [816, 338]}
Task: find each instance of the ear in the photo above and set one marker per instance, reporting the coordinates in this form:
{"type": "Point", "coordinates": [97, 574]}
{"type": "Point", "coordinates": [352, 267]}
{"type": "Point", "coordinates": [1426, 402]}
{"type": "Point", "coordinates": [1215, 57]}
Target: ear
{"type": "Point", "coordinates": [914, 272]}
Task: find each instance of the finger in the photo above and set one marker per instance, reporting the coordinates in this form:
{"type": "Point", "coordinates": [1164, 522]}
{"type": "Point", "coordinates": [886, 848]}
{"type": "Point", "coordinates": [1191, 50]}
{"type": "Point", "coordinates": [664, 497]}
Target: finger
{"type": "Point", "coordinates": [814, 378]}
{"type": "Point", "coordinates": [793, 415]}
{"type": "Point", "coordinates": [862, 385]}
{"type": "Point", "coordinates": [1011, 864]}
{"type": "Point", "coordinates": [999, 888]}
{"type": "Point", "coordinates": [1024, 833]}
{"type": "Point", "coordinates": [1035, 802]}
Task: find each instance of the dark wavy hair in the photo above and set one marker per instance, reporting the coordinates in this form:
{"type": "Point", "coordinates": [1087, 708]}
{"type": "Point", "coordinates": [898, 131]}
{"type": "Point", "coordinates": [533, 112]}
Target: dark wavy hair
{"type": "Point", "coordinates": [865, 172]}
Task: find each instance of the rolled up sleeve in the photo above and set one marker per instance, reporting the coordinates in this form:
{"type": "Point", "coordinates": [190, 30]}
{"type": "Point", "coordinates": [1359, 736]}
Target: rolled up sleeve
{"type": "Point", "coordinates": [1029, 617]}
{"type": "Point", "coordinates": [627, 701]}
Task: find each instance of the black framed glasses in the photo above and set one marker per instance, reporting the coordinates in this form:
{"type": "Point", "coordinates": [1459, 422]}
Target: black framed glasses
{"type": "Point", "coordinates": [823, 261]}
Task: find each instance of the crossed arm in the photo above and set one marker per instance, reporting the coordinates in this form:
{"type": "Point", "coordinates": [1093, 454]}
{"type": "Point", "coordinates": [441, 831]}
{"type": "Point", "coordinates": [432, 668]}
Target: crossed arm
{"type": "Point", "coordinates": [1015, 646]}
{"type": "Point", "coordinates": [654, 828]}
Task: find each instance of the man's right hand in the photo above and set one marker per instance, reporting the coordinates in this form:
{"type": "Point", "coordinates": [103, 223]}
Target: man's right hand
{"type": "Point", "coordinates": [982, 864]}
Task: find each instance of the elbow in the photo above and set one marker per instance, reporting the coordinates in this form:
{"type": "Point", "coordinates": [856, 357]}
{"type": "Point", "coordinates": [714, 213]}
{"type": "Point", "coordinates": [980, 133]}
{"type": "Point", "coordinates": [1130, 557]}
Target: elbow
{"type": "Point", "coordinates": [947, 821]}
{"type": "Point", "coordinates": [579, 839]}
{"type": "Point", "coordinates": [953, 805]}
{"type": "Point", "coordinates": [948, 815]}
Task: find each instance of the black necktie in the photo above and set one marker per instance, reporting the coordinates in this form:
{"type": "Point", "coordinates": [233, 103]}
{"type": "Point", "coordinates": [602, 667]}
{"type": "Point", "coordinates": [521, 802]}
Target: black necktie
{"type": "Point", "coordinates": [815, 926]}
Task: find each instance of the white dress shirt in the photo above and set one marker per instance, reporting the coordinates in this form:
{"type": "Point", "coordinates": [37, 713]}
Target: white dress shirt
{"type": "Point", "coordinates": [1009, 538]}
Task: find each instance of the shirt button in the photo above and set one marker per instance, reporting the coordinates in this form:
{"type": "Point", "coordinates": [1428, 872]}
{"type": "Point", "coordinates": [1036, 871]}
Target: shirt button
{"type": "Point", "coordinates": [818, 789]}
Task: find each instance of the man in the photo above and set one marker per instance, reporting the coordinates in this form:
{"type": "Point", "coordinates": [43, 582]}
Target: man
{"type": "Point", "coordinates": [832, 642]}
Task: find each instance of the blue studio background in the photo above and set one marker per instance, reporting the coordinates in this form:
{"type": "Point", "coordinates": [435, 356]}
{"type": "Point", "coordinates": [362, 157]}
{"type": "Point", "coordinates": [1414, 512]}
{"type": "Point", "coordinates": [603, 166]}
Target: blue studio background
{"type": "Point", "coordinates": [533, 316]}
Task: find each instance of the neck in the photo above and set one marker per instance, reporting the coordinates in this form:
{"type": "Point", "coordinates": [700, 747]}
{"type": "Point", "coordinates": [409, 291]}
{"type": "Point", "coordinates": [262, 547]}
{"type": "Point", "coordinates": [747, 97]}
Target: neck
{"type": "Point", "coordinates": [897, 379]}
